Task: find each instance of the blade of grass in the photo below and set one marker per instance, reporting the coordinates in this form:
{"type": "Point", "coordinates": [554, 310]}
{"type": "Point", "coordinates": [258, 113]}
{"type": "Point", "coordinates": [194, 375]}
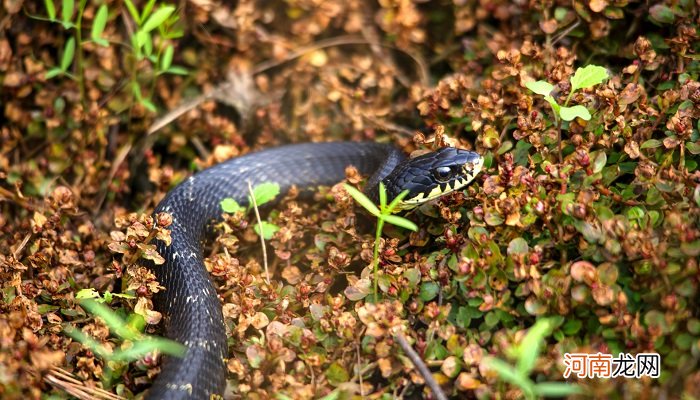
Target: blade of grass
{"type": "Point", "coordinates": [363, 200]}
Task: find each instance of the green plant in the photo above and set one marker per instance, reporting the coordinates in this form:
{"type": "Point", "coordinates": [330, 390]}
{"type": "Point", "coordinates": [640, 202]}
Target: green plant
{"type": "Point", "coordinates": [106, 297]}
{"type": "Point", "coordinates": [133, 343]}
{"type": "Point", "coordinates": [144, 45]}
{"type": "Point", "coordinates": [262, 194]}
{"type": "Point", "coordinates": [526, 354]}
{"type": "Point", "coordinates": [72, 51]}
{"type": "Point", "coordinates": [383, 213]}
{"type": "Point", "coordinates": [156, 50]}
{"type": "Point", "coordinates": [583, 78]}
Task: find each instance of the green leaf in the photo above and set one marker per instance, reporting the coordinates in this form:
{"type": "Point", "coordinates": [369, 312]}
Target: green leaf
{"type": "Point", "coordinates": [88, 293]}
{"type": "Point", "coordinates": [400, 221]}
{"type": "Point", "coordinates": [553, 103]}
{"type": "Point", "coordinates": [231, 206]}
{"type": "Point", "coordinates": [543, 88]}
{"type": "Point", "coordinates": [651, 144]}
{"type": "Point", "coordinates": [141, 347]}
{"type": "Point", "coordinates": [390, 208]}
{"type": "Point", "coordinates": [599, 161]}
{"type": "Point", "coordinates": [517, 246]}
{"type": "Point", "coordinates": [428, 291]}
{"type": "Point", "coordinates": [98, 26]}
{"type": "Point", "coordinates": [570, 113]}
{"type": "Point", "coordinates": [588, 76]}
{"type": "Point", "coordinates": [111, 319]}
{"type": "Point", "coordinates": [265, 192]}
{"type": "Point", "coordinates": [50, 9]}
{"type": "Point", "coordinates": [336, 374]}
{"type": "Point", "coordinates": [529, 348]}
{"type": "Point", "coordinates": [693, 148]}
{"type": "Point", "coordinates": [635, 212]}
{"type": "Point", "coordinates": [557, 389]}
{"type": "Point", "coordinates": [167, 58]}
{"type": "Point", "coordinates": [268, 229]}
{"type": "Point", "coordinates": [177, 70]}
{"type": "Point", "coordinates": [67, 8]}
{"type": "Point", "coordinates": [157, 18]}
{"type": "Point", "coordinates": [662, 14]}
{"type": "Point", "coordinates": [382, 196]}
{"type": "Point", "coordinates": [133, 12]}
{"type": "Point", "coordinates": [362, 199]}
{"type": "Point", "coordinates": [140, 39]}
{"type": "Point", "coordinates": [68, 53]}
{"type": "Point", "coordinates": [510, 375]}
{"type": "Point", "coordinates": [148, 104]}
{"type": "Point", "coordinates": [53, 72]}
{"type": "Point", "coordinates": [147, 9]}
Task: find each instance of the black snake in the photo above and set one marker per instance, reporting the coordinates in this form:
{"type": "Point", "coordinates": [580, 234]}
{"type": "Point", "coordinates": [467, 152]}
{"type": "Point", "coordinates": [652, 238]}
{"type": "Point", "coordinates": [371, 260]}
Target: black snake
{"type": "Point", "coordinates": [190, 304]}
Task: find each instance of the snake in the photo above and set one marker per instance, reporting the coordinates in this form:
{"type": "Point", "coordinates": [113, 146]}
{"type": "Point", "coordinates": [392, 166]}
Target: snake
{"type": "Point", "coordinates": [189, 304]}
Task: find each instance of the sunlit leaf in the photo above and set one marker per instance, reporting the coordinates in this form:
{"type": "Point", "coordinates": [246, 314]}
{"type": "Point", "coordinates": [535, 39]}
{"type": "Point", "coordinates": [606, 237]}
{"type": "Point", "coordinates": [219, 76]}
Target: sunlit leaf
{"type": "Point", "coordinates": [510, 375]}
{"type": "Point", "coordinates": [267, 228]}
{"type": "Point", "coordinates": [88, 293]}
{"type": "Point", "coordinates": [557, 389]}
{"type": "Point", "coordinates": [68, 53]}
{"type": "Point", "coordinates": [578, 111]}
{"type": "Point", "coordinates": [167, 58]}
{"type": "Point", "coordinates": [98, 26]}
{"type": "Point", "coordinates": [50, 9]}
{"type": "Point", "coordinates": [543, 88]}
{"type": "Point", "coordinates": [177, 70]}
{"type": "Point", "coordinates": [133, 12]}
{"type": "Point", "coordinates": [651, 144]}
{"type": "Point", "coordinates": [157, 18]}
{"type": "Point", "coordinates": [529, 348]}
{"type": "Point", "coordinates": [400, 221]}
{"type": "Point", "coordinates": [588, 76]}
{"type": "Point", "coordinates": [67, 8]}
{"type": "Point", "coordinates": [265, 192]}
{"type": "Point", "coordinates": [113, 321]}
{"type": "Point", "coordinates": [231, 206]}
{"type": "Point", "coordinates": [363, 200]}
{"type": "Point", "coordinates": [53, 72]}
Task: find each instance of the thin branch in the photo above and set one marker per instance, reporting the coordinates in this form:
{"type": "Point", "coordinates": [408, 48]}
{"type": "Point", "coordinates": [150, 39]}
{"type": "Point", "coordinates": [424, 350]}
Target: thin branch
{"type": "Point", "coordinates": [67, 382]}
{"type": "Point", "coordinates": [260, 227]}
{"type": "Point", "coordinates": [420, 365]}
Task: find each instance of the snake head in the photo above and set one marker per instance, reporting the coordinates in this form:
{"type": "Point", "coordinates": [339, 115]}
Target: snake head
{"type": "Point", "coordinates": [432, 175]}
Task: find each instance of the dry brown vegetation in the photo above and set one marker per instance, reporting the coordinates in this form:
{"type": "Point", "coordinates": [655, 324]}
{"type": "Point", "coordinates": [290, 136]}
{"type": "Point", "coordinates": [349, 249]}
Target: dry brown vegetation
{"type": "Point", "coordinates": [604, 241]}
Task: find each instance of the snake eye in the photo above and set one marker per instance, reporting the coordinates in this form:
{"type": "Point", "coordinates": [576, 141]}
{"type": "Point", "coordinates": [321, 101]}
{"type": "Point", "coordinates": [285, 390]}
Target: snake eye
{"type": "Point", "coordinates": [443, 174]}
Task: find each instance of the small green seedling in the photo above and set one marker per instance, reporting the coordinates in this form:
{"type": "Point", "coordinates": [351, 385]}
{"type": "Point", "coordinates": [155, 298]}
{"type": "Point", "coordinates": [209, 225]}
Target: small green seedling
{"type": "Point", "coordinates": [526, 354]}
{"type": "Point", "coordinates": [263, 193]}
{"type": "Point", "coordinates": [383, 213]}
{"type": "Point", "coordinates": [134, 344]}
{"type": "Point", "coordinates": [584, 78]}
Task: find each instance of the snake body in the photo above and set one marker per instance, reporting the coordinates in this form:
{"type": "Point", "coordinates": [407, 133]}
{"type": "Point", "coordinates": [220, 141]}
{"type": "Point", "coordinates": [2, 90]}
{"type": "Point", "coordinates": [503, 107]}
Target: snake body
{"type": "Point", "coordinates": [190, 304]}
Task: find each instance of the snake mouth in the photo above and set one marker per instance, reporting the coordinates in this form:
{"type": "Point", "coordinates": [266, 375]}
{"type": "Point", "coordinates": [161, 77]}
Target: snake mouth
{"type": "Point", "coordinates": [453, 170]}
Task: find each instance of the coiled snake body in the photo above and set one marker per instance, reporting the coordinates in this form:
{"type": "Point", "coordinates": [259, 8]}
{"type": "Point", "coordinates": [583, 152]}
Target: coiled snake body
{"type": "Point", "coordinates": [190, 304]}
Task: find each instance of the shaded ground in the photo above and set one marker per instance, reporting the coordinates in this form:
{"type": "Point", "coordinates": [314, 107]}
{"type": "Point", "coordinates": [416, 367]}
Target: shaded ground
{"type": "Point", "coordinates": [603, 241]}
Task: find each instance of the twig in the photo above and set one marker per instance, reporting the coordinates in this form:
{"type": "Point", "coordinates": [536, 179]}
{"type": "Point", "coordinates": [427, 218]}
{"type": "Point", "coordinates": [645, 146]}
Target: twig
{"type": "Point", "coordinates": [260, 226]}
{"type": "Point", "coordinates": [420, 365]}
{"type": "Point", "coordinates": [15, 198]}
{"type": "Point", "coordinates": [67, 382]}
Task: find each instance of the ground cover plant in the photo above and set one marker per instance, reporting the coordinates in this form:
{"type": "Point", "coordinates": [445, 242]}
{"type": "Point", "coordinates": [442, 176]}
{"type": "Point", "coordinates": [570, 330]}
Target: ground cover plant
{"type": "Point", "coordinates": [581, 235]}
